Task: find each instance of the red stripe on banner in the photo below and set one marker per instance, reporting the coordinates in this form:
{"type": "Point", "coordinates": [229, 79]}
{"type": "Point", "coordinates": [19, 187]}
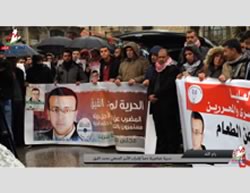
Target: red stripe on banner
{"type": "Point", "coordinates": [219, 99]}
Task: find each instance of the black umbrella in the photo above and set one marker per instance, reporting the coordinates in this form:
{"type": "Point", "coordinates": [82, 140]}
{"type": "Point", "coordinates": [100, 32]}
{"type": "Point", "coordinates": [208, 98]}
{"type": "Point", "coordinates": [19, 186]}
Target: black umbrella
{"type": "Point", "coordinates": [19, 50]}
{"type": "Point", "coordinates": [89, 42]}
{"type": "Point", "coordinates": [55, 44]}
{"type": "Point", "coordinates": [55, 41]}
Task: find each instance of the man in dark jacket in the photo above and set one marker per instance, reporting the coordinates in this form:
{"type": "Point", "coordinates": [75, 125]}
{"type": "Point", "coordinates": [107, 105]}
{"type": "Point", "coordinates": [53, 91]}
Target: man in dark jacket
{"type": "Point", "coordinates": [237, 64]}
{"type": "Point", "coordinates": [164, 105]}
{"type": "Point", "coordinates": [69, 71]}
{"type": "Point", "coordinates": [39, 73]}
{"type": "Point", "coordinates": [109, 65]}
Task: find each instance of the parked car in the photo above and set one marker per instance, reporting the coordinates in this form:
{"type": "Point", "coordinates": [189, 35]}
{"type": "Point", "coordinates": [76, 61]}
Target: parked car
{"type": "Point", "coordinates": [173, 41]}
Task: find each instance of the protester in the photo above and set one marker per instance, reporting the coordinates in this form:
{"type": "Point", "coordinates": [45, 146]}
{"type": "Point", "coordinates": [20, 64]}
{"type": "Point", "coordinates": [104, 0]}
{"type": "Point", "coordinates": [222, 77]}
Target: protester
{"type": "Point", "coordinates": [192, 63]}
{"type": "Point", "coordinates": [109, 65]}
{"type": "Point", "coordinates": [118, 54]}
{"type": "Point", "coordinates": [192, 39]}
{"type": "Point", "coordinates": [39, 73]}
{"type": "Point", "coordinates": [28, 62]}
{"type": "Point", "coordinates": [246, 41]}
{"type": "Point", "coordinates": [94, 63]}
{"type": "Point", "coordinates": [69, 71]}
{"type": "Point", "coordinates": [237, 65]}
{"type": "Point", "coordinates": [21, 64]}
{"type": "Point", "coordinates": [18, 104]}
{"type": "Point", "coordinates": [51, 59]}
{"type": "Point", "coordinates": [133, 67]}
{"type": "Point", "coordinates": [76, 56]}
{"type": "Point", "coordinates": [153, 56]}
{"type": "Point", "coordinates": [213, 63]}
{"type": "Point", "coordinates": [85, 57]}
{"type": "Point", "coordinates": [164, 106]}
{"type": "Point", "coordinates": [6, 92]}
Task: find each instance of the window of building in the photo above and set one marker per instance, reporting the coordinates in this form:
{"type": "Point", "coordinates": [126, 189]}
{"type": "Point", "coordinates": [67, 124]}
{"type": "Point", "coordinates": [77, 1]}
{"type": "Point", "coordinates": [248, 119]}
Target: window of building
{"type": "Point", "coordinates": [56, 32]}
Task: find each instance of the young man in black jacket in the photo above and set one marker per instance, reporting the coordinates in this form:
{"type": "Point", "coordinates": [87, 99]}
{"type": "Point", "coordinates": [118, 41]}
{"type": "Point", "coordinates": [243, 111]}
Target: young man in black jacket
{"type": "Point", "coordinates": [109, 65]}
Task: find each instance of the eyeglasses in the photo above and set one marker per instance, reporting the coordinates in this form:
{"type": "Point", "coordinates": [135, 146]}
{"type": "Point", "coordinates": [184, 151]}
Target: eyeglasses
{"type": "Point", "coordinates": [197, 132]}
{"type": "Point", "coordinates": [64, 110]}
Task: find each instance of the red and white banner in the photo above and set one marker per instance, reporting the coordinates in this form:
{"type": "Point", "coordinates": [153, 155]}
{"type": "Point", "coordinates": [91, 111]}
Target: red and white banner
{"type": "Point", "coordinates": [214, 115]}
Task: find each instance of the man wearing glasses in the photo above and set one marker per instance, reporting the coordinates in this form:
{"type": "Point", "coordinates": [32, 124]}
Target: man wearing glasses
{"type": "Point", "coordinates": [197, 124]}
{"type": "Point", "coordinates": [62, 106]}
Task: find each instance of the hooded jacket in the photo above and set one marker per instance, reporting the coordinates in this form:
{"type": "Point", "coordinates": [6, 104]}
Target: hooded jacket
{"type": "Point", "coordinates": [150, 71]}
{"type": "Point", "coordinates": [133, 68]}
{"type": "Point", "coordinates": [198, 57]}
{"type": "Point", "coordinates": [208, 68]}
{"type": "Point", "coordinates": [202, 49]}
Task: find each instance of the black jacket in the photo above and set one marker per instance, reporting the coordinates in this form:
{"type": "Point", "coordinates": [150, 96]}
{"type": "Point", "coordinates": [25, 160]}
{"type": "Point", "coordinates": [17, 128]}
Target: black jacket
{"type": "Point", "coordinates": [70, 72]}
{"type": "Point", "coordinates": [166, 93]}
{"type": "Point", "coordinates": [39, 74]}
{"type": "Point", "coordinates": [6, 80]}
{"type": "Point", "coordinates": [113, 70]}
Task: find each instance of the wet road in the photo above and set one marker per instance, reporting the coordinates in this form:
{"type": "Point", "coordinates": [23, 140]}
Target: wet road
{"type": "Point", "coordinates": [71, 156]}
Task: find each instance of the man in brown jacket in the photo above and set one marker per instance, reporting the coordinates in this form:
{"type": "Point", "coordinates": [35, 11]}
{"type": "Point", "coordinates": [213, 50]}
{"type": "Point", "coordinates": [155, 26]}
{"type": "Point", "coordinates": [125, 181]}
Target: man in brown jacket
{"type": "Point", "coordinates": [133, 67]}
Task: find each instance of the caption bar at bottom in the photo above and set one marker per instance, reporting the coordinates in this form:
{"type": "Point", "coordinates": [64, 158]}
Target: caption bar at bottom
{"type": "Point", "coordinates": [128, 158]}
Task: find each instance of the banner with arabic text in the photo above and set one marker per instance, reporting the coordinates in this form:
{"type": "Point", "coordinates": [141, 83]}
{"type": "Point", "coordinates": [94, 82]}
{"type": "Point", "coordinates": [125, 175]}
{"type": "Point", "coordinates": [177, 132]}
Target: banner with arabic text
{"type": "Point", "coordinates": [97, 115]}
{"type": "Point", "coordinates": [214, 115]}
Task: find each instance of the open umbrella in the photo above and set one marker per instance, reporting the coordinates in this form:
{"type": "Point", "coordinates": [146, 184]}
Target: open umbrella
{"type": "Point", "coordinates": [19, 50]}
{"type": "Point", "coordinates": [55, 44]}
{"type": "Point", "coordinates": [89, 42]}
{"type": "Point", "coordinates": [55, 41]}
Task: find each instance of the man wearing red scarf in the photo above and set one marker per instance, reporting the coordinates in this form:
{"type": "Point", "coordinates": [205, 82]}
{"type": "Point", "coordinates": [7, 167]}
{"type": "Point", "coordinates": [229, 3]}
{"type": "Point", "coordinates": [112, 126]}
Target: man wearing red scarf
{"type": "Point", "coordinates": [164, 106]}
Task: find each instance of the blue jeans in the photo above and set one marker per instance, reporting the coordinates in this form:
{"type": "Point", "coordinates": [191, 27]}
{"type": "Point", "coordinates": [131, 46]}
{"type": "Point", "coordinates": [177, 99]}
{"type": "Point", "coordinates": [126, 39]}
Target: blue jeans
{"type": "Point", "coordinates": [7, 110]}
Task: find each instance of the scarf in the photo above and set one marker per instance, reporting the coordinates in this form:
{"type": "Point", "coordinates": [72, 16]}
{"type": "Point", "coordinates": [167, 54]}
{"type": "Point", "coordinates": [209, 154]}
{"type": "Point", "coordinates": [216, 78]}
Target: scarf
{"type": "Point", "coordinates": [236, 60]}
{"type": "Point", "coordinates": [160, 67]}
{"type": "Point", "coordinates": [191, 68]}
{"type": "Point", "coordinates": [197, 44]}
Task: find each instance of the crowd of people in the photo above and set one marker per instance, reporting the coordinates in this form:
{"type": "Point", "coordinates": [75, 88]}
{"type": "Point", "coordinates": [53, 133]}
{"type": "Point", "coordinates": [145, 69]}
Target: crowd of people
{"type": "Point", "coordinates": [158, 73]}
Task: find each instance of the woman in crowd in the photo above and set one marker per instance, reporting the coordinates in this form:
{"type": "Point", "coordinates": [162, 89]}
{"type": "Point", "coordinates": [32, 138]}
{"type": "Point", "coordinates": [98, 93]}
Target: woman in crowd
{"type": "Point", "coordinates": [193, 63]}
{"type": "Point", "coordinates": [213, 63]}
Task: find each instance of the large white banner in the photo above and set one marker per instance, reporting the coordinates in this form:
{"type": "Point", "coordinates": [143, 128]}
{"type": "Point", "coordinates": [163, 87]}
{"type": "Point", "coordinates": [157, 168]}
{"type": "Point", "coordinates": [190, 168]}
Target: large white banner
{"type": "Point", "coordinates": [98, 115]}
{"type": "Point", "coordinates": [214, 115]}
